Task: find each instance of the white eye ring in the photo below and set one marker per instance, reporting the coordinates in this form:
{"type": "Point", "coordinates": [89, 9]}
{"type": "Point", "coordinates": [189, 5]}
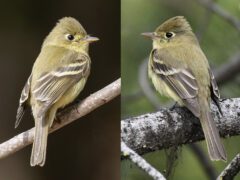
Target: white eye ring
{"type": "Point", "coordinates": [69, 37]}
{"type": "Point", "coordinates": [169, 35]}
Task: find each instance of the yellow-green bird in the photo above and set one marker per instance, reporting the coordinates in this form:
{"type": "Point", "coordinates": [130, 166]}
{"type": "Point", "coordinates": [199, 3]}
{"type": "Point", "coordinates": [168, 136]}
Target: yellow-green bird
{"type": "Point", "coordinates": [179, 69]}
{"type": "Point", "coordinates": [58, 75]}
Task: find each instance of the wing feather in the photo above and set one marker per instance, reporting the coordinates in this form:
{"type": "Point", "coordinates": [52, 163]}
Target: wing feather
{"type": "Point", "coordinates": [215, 94]}
{"type": "Point", "coordinates": [22, 102]}
{"type": "Point", "coordinates": [51, 86]}
{"type": "Point", "coordinates": [181, 81]}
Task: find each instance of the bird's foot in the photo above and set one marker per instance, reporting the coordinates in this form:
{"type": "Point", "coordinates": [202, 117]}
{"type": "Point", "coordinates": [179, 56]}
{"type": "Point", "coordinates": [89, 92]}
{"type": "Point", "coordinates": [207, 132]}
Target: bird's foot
{"type": "Point", "coordinates": [174, 106]}
{"type": "Point", "coordinates": [57, 120]}
{"type": "Point", "coordinates": [222, 99]}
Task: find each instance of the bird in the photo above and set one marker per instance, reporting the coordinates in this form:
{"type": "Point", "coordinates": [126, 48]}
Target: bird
{"type": "Point", "coordinates": [58, 76]}
{"type": "Point", "coordinates": [179, 69]}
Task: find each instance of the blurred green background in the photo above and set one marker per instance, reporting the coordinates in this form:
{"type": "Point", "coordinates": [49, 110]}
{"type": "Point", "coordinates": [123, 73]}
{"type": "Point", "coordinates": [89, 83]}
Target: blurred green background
{"type": "Point", "coordinates": [89, 148]}
{"type": "Point", "coordinates": [219, 40]}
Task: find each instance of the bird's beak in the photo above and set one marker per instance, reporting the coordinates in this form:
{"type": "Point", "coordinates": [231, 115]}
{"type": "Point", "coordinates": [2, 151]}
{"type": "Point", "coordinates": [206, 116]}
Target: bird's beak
{"type": "Point", "coordinates": [149, 34]}
{"type": "Point", "coordinates": [90, 39]}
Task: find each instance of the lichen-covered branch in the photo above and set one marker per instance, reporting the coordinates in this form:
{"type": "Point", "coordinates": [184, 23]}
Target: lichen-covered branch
{"type": "Point", "coordinates": [165, 128]}
{"type": "Point", "coordinates": [140, 162]}
{"type": "Point", "coordinates": [231, 170]}
{"type": "Point", "coordinates": [64, 117]}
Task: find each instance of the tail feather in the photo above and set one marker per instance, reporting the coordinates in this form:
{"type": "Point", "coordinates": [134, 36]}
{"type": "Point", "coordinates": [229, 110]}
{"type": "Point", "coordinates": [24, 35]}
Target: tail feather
{"type": "Point", "coordinates": [38, 155]}
{"type": "Point", "coordinates": [215, 147]}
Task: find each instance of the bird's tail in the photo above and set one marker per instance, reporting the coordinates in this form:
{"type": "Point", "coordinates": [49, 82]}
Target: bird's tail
{"type": "Point", "coordinates": [39, 148]}
{"type": "Point", "coordinates": [215, 147]}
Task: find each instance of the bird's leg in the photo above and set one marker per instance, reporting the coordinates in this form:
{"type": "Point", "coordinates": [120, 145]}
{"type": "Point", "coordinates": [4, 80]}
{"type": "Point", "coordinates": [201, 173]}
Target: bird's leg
{"type": "Point", "coordinates": [222, 99]}
{"type": "Point", "coordinates": [78, 101]}
{"type": "Point", "coordinates": [57, 120]}
{"type": "Point", "coordinates": [174, 106]}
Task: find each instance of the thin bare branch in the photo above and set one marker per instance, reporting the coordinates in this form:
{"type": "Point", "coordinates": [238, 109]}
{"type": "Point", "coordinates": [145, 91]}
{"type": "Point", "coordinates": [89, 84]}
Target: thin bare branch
{"type": "Point", "coordinates": [231, 170]}
{"type": "Point", "coordinates": [204, 24]}
{"type": "Point", "coordinates": [64, 117]}
{"type": "Point", "coordinates": [140, 162]}
{"type": "Point", "coordinates": [221, 12]}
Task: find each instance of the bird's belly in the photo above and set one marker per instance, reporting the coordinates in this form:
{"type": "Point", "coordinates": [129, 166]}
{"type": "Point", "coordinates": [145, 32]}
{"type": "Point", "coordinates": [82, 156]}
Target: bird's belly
{"type": "Point", "coordinates": [71, 94]}
{"type": "Point", "coordinates": [164, 89]}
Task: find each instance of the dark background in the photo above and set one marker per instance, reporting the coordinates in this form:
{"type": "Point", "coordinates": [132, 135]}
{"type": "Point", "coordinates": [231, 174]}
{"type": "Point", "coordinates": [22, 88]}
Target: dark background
{"type": "Point", "coordinates": [88, 148]}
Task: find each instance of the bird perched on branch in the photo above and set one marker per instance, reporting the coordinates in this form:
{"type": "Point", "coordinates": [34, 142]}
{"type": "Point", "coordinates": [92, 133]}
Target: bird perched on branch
{"type": "Point", "coordinates": [58, 75]}
{"type": "Point", "coordinates": [179, 69]}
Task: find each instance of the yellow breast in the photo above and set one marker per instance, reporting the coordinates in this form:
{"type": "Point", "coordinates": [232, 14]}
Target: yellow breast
{"type": "Point", "coordinates": [71, 94]}
{"type": "Point", "coordinates": [162, 87]}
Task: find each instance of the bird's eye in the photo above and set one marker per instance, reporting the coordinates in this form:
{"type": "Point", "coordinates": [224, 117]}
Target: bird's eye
{"type": "Point", "coordinates": [69, 37]}
{"type": "Point", "coordinates": [169, 34]}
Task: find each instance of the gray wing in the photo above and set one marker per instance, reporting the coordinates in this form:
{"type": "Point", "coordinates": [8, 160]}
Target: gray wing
{"type": "Point", "coordinates": [23, 101]}
{"type": "Point", "coordinates": [181, 81]}
{"type": "Point", "coordinates": [52, 85]}
{"type": "Point", "coordinates": [215, 94]}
